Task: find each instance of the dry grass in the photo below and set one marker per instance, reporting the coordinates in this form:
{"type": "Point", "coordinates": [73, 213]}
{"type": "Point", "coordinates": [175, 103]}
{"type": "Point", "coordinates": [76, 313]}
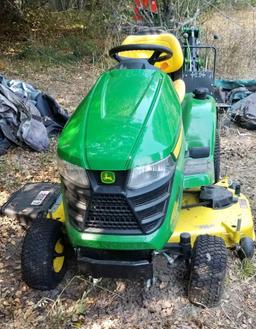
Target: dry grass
{"type": "Point", "coordinates": [237, 43]}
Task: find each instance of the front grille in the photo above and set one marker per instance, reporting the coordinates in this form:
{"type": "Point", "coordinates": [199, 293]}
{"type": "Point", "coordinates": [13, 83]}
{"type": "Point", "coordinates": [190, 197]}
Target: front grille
{"type": "Point", "coordinates": [117, 212]}
{"type": "Point", "coordinates": [150, 207]}
{"type": "Point", "coordinates": [110, 212]}
{"type": "Point", "coordinates": [152, 195]}
{"type": "Point", "coordinates": [77, 203]}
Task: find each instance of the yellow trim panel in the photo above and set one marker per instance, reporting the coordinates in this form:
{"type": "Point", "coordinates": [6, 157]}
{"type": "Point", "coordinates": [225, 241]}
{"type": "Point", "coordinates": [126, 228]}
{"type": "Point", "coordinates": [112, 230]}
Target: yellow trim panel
{"type": "Point", "coordinates": [177, 148]}
{"type": "Point", "coordinates": [57, 211]}
{"type": "Point", "coordinates": [180, 87]}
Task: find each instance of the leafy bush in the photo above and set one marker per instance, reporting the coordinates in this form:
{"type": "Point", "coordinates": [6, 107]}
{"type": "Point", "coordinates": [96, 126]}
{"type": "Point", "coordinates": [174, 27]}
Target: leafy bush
{"type": "Point", "coordinates": [67, 31]}
{"type": "Point", "coordinates": [66, 50]}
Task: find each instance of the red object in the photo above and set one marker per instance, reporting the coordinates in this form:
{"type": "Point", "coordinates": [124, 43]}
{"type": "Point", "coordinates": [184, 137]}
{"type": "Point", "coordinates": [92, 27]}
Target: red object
{"type": "Point", "coordinates": [141, 3]}
{"type": "Point", "coordinates": [137, 16]}
{"type": "Point", "coordinates": [144, 5]}
{"type": "Point", "coordinates": [153, 6]}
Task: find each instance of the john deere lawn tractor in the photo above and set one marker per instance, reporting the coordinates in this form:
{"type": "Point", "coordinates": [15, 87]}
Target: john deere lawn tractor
{"type": "Point", "coordinates": [139, 162]}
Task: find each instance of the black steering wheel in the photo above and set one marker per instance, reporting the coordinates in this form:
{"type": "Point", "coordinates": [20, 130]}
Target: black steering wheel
{"type": "Point", "coordinates": [155, 58]}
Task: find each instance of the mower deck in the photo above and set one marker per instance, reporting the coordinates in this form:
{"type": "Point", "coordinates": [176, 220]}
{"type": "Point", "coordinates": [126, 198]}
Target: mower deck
{"type": "Point", "coordinates": [230, 223]}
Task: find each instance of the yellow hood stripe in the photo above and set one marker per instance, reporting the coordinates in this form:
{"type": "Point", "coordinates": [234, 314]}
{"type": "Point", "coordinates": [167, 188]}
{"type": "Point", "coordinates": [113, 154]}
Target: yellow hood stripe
{"type": "Point", "coordinates": [177, 148]}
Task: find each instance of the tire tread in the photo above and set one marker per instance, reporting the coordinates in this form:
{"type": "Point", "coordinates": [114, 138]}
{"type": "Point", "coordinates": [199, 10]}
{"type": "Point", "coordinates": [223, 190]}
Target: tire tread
{"type": "Point", "coordinates": [208, 270]}
{"type": "Point", "coordinates": [37, 254]}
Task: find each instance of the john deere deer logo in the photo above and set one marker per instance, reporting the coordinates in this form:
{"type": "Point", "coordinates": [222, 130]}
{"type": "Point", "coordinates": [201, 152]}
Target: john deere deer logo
{"type": "Point", "coordinates": [108, 177]}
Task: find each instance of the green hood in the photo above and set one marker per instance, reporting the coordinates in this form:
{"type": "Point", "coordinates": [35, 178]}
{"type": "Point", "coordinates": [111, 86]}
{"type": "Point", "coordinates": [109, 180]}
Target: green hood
{"type": "Point", "coordinates": [126, 120]}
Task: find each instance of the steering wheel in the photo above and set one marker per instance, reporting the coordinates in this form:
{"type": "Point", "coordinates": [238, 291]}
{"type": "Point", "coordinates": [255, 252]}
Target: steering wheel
{"type": "Point", "coordinates": [155, 58]}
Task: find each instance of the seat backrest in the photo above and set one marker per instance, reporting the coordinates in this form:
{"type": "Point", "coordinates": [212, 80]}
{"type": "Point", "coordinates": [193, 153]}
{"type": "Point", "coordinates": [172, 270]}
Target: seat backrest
{"type": "Point", "coordinates": [165, 39]}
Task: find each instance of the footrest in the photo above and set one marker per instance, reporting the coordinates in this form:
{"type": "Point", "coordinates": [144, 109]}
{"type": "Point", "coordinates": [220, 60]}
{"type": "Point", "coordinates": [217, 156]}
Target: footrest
{"type": "Point", "coordinates": [140, 269]}
{"type": "Point", "coordinates": [129, 264]}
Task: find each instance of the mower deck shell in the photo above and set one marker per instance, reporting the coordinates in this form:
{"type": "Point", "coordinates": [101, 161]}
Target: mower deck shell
{"type": "Point", "coordinates": [196, 220]}
{"type": "Point", "coordinates": [224, 223]}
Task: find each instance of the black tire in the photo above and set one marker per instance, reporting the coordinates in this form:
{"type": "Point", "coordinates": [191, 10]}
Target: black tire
{"type": "Point", "coordinates": [217, 157]}
{"type": "Point", "coordinates": [39, 258]}
{"type": "Point", "coordinates": [208, 270]}
{"type": "Point", "coordinates": [246, 249]}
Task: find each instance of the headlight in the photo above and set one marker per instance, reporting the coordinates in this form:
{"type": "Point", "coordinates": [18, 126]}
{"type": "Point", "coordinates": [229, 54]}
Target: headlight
{"type": "Point", "coordinates": [149, 174]}
{"type": "Point", "coordinates": [73, 173]}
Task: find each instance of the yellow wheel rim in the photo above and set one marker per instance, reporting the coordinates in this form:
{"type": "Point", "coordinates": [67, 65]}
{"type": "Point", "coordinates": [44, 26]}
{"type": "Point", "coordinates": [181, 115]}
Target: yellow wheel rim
{"type": "Point", "coordinates": [59, 248]}
{"type": "Point", "coordinates": [58, 261]}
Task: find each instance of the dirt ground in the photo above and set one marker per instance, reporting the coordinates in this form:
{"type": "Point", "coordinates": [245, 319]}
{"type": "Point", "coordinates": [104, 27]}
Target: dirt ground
{"type": "Point", "coordinates": [109, 304]}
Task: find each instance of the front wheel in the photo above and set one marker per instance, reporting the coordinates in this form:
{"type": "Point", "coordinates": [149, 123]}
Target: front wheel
{"type": "Point", "coordinates": [43, 257]}
{"type": "Point", "coordinates": [208, 270]}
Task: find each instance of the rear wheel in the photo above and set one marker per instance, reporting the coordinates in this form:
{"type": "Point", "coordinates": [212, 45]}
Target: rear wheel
{"type": "Point", "coordinates": [208, 270]}
{"type": "Point", "coordinates": [217, 157]}
{"type": "Point", "coordinates": [43, 257]}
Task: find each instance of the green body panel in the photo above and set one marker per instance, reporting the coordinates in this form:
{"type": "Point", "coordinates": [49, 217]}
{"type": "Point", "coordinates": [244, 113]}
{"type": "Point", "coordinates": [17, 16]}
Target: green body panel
{"type": "Point", "coordinates": [199, 121]}
{"type": "Point", "coordinates": [153, 241]}
{"type": "Point", "coordinates": [130, 118]}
